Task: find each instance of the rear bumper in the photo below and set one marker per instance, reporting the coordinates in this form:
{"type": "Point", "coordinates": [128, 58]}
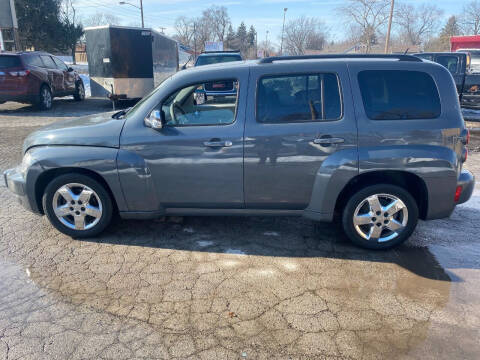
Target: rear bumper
{"type": "Point", "coordinates": [467, 182]}
{"type": "Point", "coordinates": [15, 182]}
{"type": "Point", "coordinates": [19, 98]}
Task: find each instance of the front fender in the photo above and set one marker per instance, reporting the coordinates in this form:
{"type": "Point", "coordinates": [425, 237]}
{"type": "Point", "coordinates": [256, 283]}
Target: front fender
{"type": "Point", "coordinates": [100, 160]}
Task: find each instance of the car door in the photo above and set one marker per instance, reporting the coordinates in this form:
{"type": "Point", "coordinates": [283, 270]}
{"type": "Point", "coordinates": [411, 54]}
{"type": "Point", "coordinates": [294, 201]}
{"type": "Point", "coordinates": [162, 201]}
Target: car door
{"type": "Point", "coordinates": [55, 76]}
{"type": "Point", "coordinates": [68, 76]}
{"type": "Point", "coordinates": [196, 159]}
{"type": "Point", "coordinates": [298, 120]}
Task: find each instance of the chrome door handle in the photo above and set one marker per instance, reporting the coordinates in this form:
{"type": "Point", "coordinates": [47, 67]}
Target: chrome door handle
{"type": "Point", "coordinates": [329, 141]}
{"type": "Point", "coordinates": [218, 143]}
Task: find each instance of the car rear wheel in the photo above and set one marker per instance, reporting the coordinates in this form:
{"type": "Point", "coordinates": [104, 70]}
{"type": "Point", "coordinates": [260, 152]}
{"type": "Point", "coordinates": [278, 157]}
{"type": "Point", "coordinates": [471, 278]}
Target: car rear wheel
{"type": "Point", "coordinates": [79, 94]}
{"type": "Point", "coordinates": [380, 216]}
{"type": "Point", "coordinates": [77, 205]}
{"type": "Point", "coordinates": [45, 98]}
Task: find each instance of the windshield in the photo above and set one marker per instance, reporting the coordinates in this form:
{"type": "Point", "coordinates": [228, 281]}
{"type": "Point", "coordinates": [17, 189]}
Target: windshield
{"type": "Point", "coordinates": [9, 61]}
{"type": "Point", "coordinates": [215, 59]}
{"type": "Point", "coordinates": [134, 109]}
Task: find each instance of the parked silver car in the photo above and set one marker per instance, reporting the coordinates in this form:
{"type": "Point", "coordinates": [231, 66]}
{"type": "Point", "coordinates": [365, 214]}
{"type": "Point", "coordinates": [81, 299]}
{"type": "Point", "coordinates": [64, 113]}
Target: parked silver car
{"type": "Point", "coordinates": [377, 140]}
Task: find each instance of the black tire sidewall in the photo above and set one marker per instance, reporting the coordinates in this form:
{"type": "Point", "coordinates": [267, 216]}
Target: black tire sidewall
{"type": "Point", "coordinates": [77, 95]}
{"type": "Point", "coordinates": [348, 211]}
{"type": "Point", "coordinates": [61, 180]}
{"type": "Point", "coordinates": [41, 103]}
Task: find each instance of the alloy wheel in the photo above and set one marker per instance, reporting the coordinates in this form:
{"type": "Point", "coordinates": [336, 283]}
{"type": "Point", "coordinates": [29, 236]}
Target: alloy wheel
{"type": "Point", "coordinates": [77, 206]}
{"type": "Point", "coordinates": [380, 217]}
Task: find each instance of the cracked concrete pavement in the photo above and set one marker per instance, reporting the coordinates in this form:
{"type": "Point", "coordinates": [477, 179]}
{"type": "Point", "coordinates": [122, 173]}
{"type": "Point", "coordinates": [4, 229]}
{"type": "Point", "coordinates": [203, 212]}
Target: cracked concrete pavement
{"type": "Point", "coordinates": [230, 288]}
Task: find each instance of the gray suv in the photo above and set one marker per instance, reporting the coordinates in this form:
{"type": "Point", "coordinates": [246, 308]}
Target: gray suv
{"type": "Point", "coordinates": [377, 140]}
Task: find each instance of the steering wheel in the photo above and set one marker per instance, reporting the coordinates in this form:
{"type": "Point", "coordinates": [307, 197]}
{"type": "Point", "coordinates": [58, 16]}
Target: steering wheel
{"type": "Point", "coordinates": [173, 108]}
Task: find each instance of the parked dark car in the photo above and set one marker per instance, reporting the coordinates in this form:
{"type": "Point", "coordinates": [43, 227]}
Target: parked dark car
{"type": "Point", "coordinates": [460, 66]}
{"type": "Point", "coordinates": [377, 140]}
{"type": "Point", "coordinates": [217, 89]}
{"type": "Point", "coordinates": [36, 78]}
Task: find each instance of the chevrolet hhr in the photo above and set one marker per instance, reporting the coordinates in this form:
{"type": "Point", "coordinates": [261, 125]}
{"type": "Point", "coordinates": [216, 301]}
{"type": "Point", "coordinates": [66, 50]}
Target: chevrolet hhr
{"type": "Point", "coordinates": [376, 141]}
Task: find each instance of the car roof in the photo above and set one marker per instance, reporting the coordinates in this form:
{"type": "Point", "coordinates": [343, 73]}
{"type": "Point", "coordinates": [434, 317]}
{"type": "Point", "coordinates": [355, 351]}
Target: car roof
{"type": "Point", "coordinates": [215, 53]}
{"type": "Point", "coordinates": [296, 65]}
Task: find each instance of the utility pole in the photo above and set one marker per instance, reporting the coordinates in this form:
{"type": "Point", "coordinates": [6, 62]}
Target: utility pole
{"type": "Point", "coordinates": [283, 30]}
{"type": "Point", "coordinates": [266, 44]}
{"type": "Point", "coordinates": [194, 42]}
{"type": "Point", "coordinates": [387, 40]}
{"type": "Point", "coordinates": [138, 7]}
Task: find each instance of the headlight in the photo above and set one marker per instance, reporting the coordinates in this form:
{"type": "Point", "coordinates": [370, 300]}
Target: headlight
{"type": "Point", "coordinates": [26, 163]}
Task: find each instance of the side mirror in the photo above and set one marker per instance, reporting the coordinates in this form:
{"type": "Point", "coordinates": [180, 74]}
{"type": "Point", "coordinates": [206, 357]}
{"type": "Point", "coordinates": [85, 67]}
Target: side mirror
{"type": "Point", "coordinates": [70, 69]}
{"type": "Point", "coordinates": [154, 120]}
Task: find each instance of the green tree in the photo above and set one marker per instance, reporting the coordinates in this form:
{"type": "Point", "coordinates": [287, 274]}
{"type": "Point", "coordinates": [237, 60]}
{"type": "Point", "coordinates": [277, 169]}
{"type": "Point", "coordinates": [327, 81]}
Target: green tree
{"type": "Point", "coordinates": [451, 28]}
{"type": "Point", "coordinates": [230, 38]}
{"type": "Point", "coordinates": [71, 30]}
{"type": "Point", "coordinates": [251, 36]}
{"type": "Point", "coordinates": [39, 23]}
{"type": "Point", "coordinates": [242, 37]}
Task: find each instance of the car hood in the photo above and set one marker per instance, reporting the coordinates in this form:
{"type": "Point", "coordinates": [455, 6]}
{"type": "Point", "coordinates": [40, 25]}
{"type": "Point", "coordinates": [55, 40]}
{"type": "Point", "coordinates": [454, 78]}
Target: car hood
{"type": "Point", "coordinates": [94, 130]}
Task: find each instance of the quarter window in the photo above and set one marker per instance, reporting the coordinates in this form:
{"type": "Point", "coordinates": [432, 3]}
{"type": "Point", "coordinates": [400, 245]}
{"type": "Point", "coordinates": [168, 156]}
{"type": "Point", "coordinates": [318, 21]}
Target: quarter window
{"type": "Point", "coordinates": [399, 95]}
{"type": "Point", "coordinates": [211, 103]}
{"type": "Point", "coordinates": [299, 98]}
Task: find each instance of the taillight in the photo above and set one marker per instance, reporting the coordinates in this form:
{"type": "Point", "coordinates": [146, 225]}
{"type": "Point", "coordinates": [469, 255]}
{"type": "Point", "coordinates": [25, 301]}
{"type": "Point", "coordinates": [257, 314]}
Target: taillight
{"type": "Point", "coordinates": [458, 193]}
{"type": "Point", "coordinates": [21, 73]}
{"type": "Point", "coordinates": [467, 139]}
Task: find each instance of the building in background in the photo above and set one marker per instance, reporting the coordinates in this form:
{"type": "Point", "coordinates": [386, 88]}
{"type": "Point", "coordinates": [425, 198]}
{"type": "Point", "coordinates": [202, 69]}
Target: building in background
{"type": "Point", "coordinates": [9, 40]}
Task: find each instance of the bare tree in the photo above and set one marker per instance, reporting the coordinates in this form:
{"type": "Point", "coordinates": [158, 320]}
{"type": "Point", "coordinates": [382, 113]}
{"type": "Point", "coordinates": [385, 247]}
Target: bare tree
{"type": "Point", "coordinates": [365, 19]}
{"type": "Point", "coordinates": [470, 18]}
{"type": "Point", "coordinates": [220, 20]}
{"type": "Point", "coordinates": [100, 18]}
{"type": "Point", "coordinates": [304, 33]}
{"type": "Point", "coordinates": [184, 30]}
{"type": "Point", "coordinates": [72, 28]}
{"type": "Point", "coordinates": [417, 23]}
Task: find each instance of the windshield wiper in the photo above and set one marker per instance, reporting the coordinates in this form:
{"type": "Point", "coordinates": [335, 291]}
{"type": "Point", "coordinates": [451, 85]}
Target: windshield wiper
{"type": "Point", "coordinates": [120, 114]}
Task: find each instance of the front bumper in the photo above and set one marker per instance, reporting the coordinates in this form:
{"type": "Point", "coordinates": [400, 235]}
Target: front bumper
{"type": "Point", "coordinates": [15, 182]}
{"type": "Point", "coordinates": [467, 182]}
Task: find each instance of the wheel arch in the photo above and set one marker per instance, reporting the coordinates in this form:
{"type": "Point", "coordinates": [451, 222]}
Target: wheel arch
{"type": "Point", "coordinates": [411, 182]}
{"type": "Point", "coordinates": [46, 177]}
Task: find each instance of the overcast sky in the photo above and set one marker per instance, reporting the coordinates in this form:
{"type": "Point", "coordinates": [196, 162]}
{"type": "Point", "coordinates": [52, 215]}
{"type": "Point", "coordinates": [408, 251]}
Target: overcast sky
{"type": "Point", "coordinates": [265, 15]}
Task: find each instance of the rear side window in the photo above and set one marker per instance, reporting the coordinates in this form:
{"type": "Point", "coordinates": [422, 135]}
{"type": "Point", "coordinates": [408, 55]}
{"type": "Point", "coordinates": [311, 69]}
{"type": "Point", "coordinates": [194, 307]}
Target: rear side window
{"type": "Point", "coordinates": [449, 61]}
{"type": "Point", "coordinates": [33, 60]}
{"type": "Point", "coordinates": [299, 98]}
{"type": "Point", "coordinates": [9, 61]}
{"type": "Point", "coordinates": [399, 95]}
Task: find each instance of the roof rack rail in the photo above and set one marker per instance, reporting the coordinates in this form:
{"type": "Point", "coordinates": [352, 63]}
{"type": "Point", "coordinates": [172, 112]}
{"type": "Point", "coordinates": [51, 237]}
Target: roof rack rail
{"type": "Point", "coordinates": [271, 59]}
{"type": "Point", "coordinates": [220, 51]}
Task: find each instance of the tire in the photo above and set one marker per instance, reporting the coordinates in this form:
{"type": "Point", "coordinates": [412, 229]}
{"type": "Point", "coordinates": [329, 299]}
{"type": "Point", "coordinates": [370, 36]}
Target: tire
{"type": "Point", "coordinates": [96, 211]}
{"type": "Point", "coordinates": [79, 94]}
{"type": "Point", "coordinates": [371, 229]}
{"type": "Point", "coordinates": [45, 98]}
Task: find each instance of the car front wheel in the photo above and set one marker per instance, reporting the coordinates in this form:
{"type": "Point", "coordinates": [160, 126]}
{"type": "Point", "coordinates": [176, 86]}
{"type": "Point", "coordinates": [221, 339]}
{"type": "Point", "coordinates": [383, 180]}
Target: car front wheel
{"type": "Point", "coordinates": [79, 94]}
{"type": "Point", "coordinates": [380, 216]}
{"type": "Point", "coordinates": [77, 205]}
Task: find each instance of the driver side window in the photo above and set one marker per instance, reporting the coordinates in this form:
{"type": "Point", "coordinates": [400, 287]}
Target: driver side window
{"type": "Point", "coordinates": [211, 103]}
